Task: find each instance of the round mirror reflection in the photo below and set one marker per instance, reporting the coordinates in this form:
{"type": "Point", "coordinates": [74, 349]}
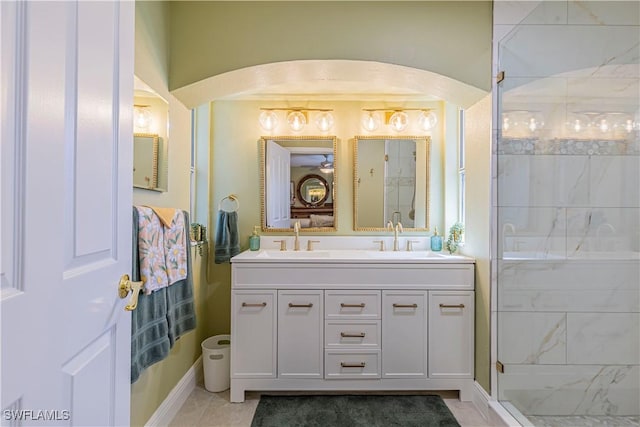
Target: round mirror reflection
{"type": "Point", "coordinates": [313, 190]}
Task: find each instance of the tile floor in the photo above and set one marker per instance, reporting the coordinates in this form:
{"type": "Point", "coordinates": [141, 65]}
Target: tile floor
{"type": "Point", "coordinates": [203, 408]}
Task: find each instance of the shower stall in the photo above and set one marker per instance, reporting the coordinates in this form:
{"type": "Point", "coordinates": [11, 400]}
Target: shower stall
{"type": "Point", "coordinates": [567, 215]}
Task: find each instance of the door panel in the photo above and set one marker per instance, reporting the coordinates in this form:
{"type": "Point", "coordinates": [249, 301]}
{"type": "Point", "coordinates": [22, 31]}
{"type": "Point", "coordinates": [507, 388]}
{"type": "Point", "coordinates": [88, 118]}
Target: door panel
{"type": "Point", "coordinates": [278, 176]}
{"type": "Point", "coordinates": [67, 95]}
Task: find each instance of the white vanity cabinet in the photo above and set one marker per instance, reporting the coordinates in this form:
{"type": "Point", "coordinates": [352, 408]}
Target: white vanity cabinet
{"type": "Point", "coordinates": [329, 325]}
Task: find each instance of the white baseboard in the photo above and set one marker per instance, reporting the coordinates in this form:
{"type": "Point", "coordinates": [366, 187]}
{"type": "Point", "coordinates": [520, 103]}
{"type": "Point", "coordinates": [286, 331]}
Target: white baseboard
{"type": "Point", "coordinates": [176, 398]}
{"type": "Point", "coordinates": [492, 410]}
{"type": "Point", "coordinates": [481, 400]}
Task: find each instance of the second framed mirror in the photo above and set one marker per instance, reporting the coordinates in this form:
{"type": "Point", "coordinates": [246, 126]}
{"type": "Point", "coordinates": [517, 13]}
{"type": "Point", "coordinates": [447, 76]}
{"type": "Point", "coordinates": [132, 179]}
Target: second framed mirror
{"type": "Point", "coordinates": [391, 182]}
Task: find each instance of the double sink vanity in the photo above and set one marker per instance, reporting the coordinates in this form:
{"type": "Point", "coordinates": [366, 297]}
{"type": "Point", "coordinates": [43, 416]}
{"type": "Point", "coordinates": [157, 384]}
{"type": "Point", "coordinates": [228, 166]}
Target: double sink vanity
{"type": "Point", "coordinates": [345, 316]}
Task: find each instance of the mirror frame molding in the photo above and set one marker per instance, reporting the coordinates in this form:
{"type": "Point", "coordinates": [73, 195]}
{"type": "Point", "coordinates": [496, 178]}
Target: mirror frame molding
{"type": "Point", "coordinates": [332, 186]}
{"type": "Point", "coordinates": [355, 140]}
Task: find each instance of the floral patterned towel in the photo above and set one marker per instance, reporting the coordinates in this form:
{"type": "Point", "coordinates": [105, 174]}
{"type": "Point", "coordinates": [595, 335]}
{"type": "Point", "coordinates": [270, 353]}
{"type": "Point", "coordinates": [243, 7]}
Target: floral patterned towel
{"type": "Point", "coordinates": [162, 249]}
{"type": "Point", "coordinates": [151, 249]}
{"type": "Point", "coordinates": [175, 245]}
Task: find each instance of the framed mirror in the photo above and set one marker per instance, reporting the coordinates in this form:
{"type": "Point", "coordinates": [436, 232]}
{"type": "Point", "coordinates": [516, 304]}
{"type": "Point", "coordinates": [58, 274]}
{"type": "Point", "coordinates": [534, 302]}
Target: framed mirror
{"type": "Point", "coordinates": [145, 165]}
{"type": "Point", "coordinates": [391, 182]}
{"type": "Point", "coordinates": [298, 183]}
{"type": "Point", "coordinates": [150, 138]}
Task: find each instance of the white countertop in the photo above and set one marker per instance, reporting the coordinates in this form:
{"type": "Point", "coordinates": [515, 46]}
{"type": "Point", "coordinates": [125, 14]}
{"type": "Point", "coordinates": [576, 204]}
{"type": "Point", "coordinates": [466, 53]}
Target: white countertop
{"type": "Point", "coordinates": [350, 256]}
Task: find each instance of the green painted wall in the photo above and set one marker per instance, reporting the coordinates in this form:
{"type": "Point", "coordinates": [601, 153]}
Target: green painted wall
{"type": "Point", "coordinates": [478, 227]}
{"type": "Point", "coordinates": [151, 65]}
{"type": "Point", "coordinates": [452, 38]}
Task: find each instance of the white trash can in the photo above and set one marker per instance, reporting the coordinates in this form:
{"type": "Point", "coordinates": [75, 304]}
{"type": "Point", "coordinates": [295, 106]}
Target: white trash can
{"type": "Point", "coordinates": [215, 361]}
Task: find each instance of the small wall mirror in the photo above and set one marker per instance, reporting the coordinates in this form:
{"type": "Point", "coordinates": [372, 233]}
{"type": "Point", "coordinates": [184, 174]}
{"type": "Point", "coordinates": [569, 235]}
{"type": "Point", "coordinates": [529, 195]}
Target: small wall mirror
{"type": "Point", "coordinates": [391, 182]}
{"type": "Point", "coordinates": [150, 139]}
{"type": "Point", "coordinates": [145, 165]}
{"type": "Point", "coordinates": [298, 183]}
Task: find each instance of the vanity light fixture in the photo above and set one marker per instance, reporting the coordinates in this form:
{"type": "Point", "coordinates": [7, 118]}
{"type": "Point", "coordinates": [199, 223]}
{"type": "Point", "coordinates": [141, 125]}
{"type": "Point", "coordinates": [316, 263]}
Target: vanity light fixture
{"type": "Point", "coordinates": [297, 118]}
{"type": "Point", "coordinates": [141, 118]}
{"type": "Point", "coordinates": [268, 120]}
{"type": "Point", "coordinates": [371, 120]}
{"type": "Point", "coordinates": [397, 118]}
{"type": "Point", "coordinates": [398, 121]}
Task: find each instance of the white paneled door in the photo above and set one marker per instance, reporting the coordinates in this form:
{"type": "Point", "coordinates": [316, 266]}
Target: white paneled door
{"type": "Point", "coordinates": [67, 94]}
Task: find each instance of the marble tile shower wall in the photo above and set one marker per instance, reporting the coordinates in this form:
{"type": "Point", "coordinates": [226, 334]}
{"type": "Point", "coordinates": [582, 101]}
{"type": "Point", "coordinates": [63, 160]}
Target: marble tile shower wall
{"type": "Point", "coordinates": [568, 297]}
{"type": "Point", "coordinates": [400, 182]}
{"type": "Point", "coordinates": [567, 214]}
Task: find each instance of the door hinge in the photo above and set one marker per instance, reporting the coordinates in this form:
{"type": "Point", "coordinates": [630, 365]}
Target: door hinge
{"type": "Point", "coordinates": [500, 77]}
{"type": "Point", "coordinates": [386, 157]}
{"type": "Point", "coordinates": [500, 367]}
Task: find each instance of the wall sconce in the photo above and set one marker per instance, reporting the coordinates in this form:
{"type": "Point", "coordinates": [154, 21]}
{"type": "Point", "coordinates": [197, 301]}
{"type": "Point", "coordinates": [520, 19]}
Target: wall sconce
{"type": "Point", "coordinates": [141, 118]}
{"type": "Point", "coordinates": [397, 118]}
{"type": "Point", "coordinates": [297, 118]}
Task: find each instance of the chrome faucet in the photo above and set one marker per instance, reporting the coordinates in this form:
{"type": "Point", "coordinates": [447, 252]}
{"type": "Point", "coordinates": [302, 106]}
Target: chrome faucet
{"type": "Point", "coordinates": [296, 231]}
{"type": "Point", "coordinates": [396, 230]}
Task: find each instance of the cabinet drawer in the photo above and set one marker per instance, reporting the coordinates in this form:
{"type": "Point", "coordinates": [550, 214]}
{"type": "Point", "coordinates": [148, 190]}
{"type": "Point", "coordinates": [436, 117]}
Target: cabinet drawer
{"type": "Point", "coordinates": [352, 364]}
{"type": "Point", "coordinates": [352, 305]}
{"type": "Point", "coordinates": [354, 333]}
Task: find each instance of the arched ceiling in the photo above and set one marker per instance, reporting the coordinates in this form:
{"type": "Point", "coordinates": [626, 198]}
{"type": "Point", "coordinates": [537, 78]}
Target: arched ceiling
{"type": "Point", "coordinates": [329, 80]}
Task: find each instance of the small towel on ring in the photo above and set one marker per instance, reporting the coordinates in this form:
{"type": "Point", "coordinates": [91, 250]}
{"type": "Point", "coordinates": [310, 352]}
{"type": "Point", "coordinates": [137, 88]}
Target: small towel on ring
{"type": "Point", "coordinates": [227, 244]}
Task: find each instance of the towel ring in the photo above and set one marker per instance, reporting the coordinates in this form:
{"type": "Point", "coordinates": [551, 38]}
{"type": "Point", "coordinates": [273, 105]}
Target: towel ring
{"type": "Point", "coordinates": [234, 199]}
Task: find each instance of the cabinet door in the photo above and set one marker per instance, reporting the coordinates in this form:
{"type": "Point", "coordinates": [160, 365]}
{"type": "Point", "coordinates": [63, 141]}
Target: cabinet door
{"type": "Point", "coordinates": [300, 334]}
{"type": "Point", "coordinates": [451, 334]}
{"type": "Point", "coordinates": [253, 334]}
{"type": "Point", "coordinates": [404, 334]}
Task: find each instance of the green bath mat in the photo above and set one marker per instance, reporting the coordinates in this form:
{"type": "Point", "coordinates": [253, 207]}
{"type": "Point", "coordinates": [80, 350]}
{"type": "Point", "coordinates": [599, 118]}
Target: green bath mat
{"type": "Point", "coordinates": [353, 411]}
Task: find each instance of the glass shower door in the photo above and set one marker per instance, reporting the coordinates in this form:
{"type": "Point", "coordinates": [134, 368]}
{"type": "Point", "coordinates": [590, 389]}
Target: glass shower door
{"type": "Point", "coordinates": [568, 214]}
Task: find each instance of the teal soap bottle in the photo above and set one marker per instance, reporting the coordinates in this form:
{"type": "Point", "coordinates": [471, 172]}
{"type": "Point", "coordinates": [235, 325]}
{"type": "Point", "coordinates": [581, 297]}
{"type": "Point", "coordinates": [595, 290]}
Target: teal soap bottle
{"type": "Point", "coordinates": [436, 241]}
{"type": "Point", "coordinates": [254, 240]}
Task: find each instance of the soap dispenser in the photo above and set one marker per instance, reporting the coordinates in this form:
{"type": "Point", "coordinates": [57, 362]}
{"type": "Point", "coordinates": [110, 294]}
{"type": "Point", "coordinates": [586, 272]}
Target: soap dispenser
{"type": "Point", "coordinates": [436, 241]}
{"type": "Point", "coordinates": [254, 240]}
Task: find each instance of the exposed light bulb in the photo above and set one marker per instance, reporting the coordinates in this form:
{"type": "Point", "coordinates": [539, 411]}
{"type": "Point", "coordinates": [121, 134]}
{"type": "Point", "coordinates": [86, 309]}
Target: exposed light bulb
{"type": "Point", "coordinates": [533, 124]}
{"type": "Point", "coordinates": [506, 123]}
{"type": "Point", "coordinates": [427, 120]}
{"type": "Point", "coordinates": [603, 125]}
{"type": "Point", "coordinates": [399, 121]}
{"type": "Point", "coordinates": [324, 121]}
{"type": "Point", "coordinates": [268, 120]}
{"type": "Point", "coordinates": [296, 120]}
{"type": "Point", "coordinates": [371, 121]}
{"type": "Point", "coordinates": [142, 119]}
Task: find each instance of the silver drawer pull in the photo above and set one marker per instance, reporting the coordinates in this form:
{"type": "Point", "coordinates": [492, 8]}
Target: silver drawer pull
{"type": "Point", "coordinates": [451, 305]}
{"type": "Point", "coordinates": [343, 305]}
{"type": "Point", "coordinates": [248, 304]}
{"type": "Point", "coordinates": [348, 335]}
{"type": "Point", "coordinates": [292, 305]}
{"type": "Point", "coordinates": [352, 365]}
{"type": "Point", "coordinates": [405, 305]}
